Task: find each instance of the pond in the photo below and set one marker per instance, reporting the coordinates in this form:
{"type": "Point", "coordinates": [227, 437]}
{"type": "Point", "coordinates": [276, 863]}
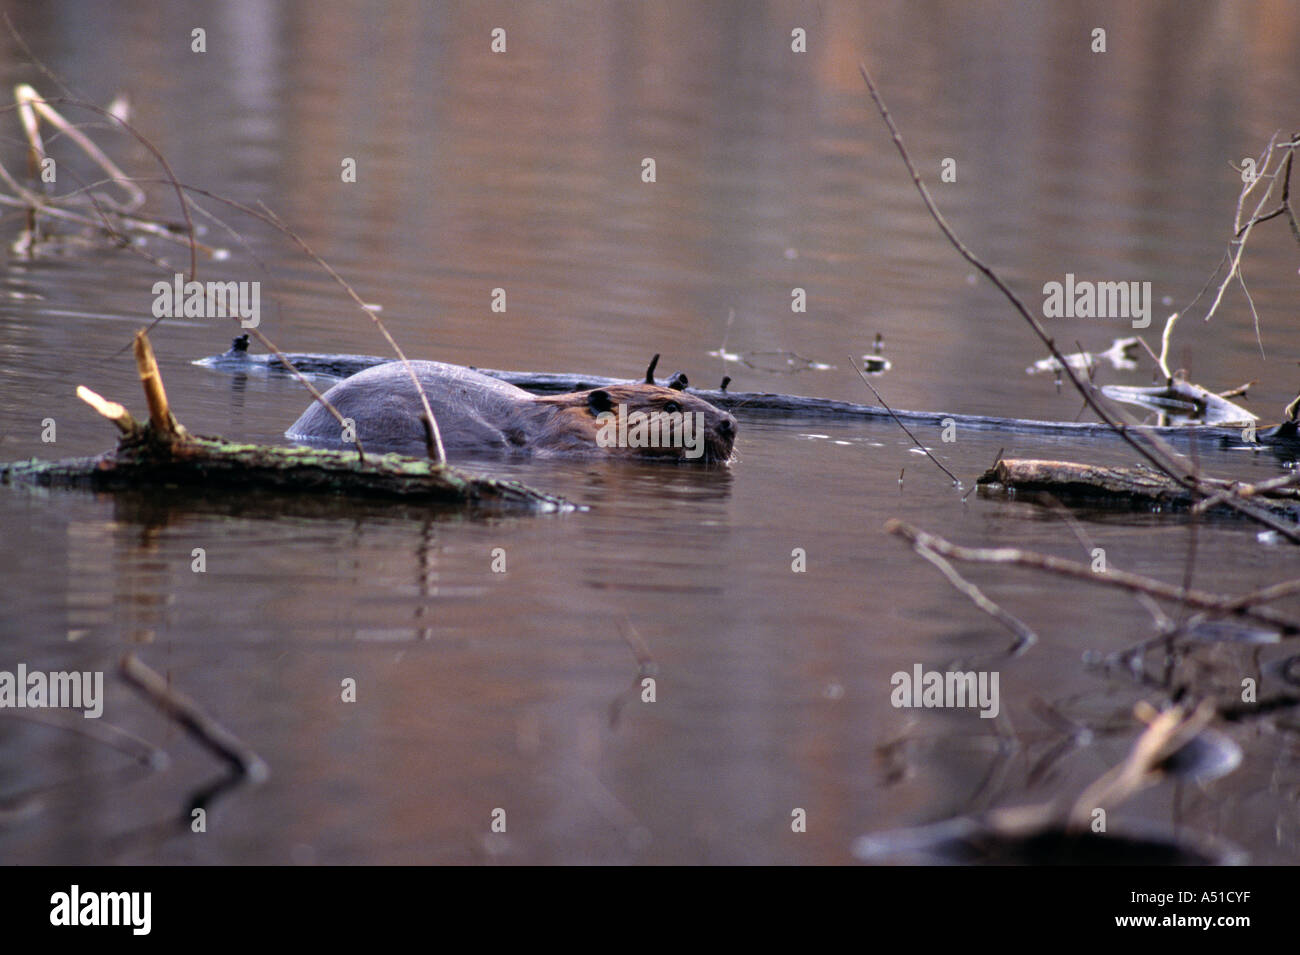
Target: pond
{"type": "Point", "coordinates": [764, 599]}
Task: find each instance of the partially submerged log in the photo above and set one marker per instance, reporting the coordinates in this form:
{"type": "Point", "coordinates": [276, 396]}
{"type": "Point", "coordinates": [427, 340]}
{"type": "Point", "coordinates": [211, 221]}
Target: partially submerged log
{"type": "Point", "coordinates": [1127, 486]}
{"type": "Point", "coordinates": [211, 463]}
{"type": "Point", "coordinates": [238, 360]}
{"type": "Point", "coordinates": [161, 453]}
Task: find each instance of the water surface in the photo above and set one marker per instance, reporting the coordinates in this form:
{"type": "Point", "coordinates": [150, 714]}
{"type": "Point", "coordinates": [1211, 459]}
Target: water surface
{"type": "Point", "coordinates": [478, 690]}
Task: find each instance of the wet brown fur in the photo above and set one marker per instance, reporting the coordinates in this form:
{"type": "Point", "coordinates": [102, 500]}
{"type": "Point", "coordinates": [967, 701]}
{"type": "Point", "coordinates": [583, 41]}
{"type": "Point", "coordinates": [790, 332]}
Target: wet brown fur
{"type": "Point", "coordinates": [568, 422]}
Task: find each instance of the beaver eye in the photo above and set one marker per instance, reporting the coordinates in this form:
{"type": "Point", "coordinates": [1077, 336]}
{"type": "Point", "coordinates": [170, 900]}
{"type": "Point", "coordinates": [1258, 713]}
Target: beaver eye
{"type": "Point", "coordinates": [672, 407]}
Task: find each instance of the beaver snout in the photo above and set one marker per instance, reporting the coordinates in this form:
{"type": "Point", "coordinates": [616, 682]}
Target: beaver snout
{"type": "Point", "coordinates": [723, 439]}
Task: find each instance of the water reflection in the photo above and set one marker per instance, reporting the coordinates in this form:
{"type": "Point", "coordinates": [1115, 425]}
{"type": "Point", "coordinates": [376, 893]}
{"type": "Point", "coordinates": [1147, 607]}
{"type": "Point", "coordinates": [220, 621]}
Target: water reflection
{"type": "Point", "coordinates": [480, 690]}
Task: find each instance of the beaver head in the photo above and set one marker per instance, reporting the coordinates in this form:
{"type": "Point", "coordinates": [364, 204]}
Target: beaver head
{"type": "Point", "coordinates": [639, 420]}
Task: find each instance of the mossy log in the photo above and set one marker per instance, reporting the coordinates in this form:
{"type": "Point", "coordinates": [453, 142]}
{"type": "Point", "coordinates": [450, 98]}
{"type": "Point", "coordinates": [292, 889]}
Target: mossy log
{"type": "Point", "coordinates": [1125, 486]}
{"type": "Point", "coordinates": [162, 453]}
{"type": "Point", "coordinates": [213, 463]}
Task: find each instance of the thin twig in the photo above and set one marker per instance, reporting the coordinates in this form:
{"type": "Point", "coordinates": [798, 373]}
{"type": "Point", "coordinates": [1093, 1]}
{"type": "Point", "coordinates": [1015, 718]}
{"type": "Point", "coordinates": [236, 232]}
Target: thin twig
{"type": "Point", "coordinates": [180, 708]}
{"type": "Point", "coordinates": [1025, 636]}
{"type": "Point", "coordinates": [392, 342]}
{"type": "Point", "coordinates": [44, 106]}
{"type": "Point", "coordinates": [1237, 245]}
{"type": "Point", "coordinates": [1191, 483]}
{"type": "Point", "coordinates": [1220, 604]}
{"type": "Point", "coordinates": [854, 363]}
{"type": "Point", "coordinates": [1001, 286]}
{"type": "Point", "coordinates": [646, 668]}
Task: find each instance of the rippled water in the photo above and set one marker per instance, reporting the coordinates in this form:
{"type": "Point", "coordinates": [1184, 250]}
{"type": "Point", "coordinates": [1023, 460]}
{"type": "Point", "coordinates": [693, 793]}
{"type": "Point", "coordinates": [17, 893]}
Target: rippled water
{"type": "Point", "coordinates": [478, 690]}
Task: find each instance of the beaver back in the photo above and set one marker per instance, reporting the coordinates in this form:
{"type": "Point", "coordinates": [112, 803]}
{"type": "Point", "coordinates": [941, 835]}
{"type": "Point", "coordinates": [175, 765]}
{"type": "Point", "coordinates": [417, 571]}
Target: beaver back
{"type": "Point", "coordinates": [386, 410]}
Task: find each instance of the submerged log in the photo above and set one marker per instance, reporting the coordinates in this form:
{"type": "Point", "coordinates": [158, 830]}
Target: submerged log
{"type": "Point", "coordinates": [237, 360]}
{"type": "Point", "coordinates": [161, 453]}
{"type": "Point", "coordinates": [1126, 486]}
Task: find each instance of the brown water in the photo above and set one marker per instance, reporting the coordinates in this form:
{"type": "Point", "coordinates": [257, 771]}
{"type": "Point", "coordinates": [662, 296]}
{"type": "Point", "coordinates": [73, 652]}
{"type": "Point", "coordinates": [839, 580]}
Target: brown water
{"type": "Point", "coordinates": [477, 690]}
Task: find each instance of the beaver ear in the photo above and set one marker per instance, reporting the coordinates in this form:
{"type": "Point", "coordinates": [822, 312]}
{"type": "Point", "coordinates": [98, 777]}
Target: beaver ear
{"type": "Point", "coordinates": [599, 401]}
{"type": "Point", "coordinates": [678, 381]}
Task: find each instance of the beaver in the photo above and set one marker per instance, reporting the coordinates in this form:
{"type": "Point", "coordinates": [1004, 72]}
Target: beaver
{"type": "Point", "coordinates": [478, 413]}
